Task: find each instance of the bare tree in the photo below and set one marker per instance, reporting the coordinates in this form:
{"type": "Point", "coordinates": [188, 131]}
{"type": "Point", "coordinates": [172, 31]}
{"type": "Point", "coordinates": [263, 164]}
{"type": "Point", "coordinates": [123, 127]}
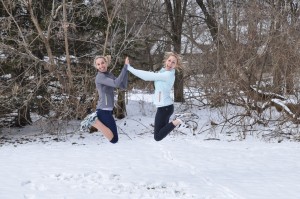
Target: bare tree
{"type": "Point", "coordinates": [176, 12]}
{"type": "Point", "coordinates": [65, 28]}
{"type": "Point", "coordinates": [252, 58]}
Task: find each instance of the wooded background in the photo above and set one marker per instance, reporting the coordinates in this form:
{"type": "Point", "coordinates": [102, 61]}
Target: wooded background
{"type": "Point", "coordinates": [239, 52]}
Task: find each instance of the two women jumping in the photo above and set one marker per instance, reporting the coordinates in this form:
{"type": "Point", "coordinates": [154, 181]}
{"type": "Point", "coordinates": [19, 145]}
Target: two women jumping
{"type": "Point", "coordinates": [163, 81]}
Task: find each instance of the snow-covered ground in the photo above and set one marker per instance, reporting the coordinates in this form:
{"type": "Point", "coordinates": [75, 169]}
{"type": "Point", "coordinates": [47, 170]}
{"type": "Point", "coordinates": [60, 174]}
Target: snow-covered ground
{"type": "Point", "coordinates": [36, 164]}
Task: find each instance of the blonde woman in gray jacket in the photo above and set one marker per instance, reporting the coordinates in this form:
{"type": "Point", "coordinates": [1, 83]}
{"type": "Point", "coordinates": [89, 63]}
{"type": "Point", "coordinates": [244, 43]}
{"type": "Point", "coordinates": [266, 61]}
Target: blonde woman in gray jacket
{"type": "Point", "coordinates": [106, 82]}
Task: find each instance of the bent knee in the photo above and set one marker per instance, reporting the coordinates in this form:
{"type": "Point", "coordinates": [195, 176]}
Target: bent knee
{"type": "Point", "coordinates": [157, 138]}
{"type": "Point", "coordinates": [114, 140]}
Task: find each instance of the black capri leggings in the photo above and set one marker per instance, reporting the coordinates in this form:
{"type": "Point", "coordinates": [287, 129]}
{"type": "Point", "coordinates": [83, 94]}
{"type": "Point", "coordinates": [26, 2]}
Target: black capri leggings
{"type": "Point", "coordinates": [162, 126]}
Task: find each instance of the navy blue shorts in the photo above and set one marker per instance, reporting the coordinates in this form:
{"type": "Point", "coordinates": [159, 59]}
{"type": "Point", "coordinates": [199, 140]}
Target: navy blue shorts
{"type": "Point", "coordinates": [106, 117]}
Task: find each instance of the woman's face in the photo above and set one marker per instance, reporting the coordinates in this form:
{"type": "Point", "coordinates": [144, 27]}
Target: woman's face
{"type": "Point", "coordinates": [171, 63]}
{"type": "Point", "coordinates": [101, 64]}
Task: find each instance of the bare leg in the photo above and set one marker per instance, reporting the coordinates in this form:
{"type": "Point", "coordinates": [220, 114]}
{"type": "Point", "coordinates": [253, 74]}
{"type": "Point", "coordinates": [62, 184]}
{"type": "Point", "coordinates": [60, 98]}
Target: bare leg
{"type": "Point", "coordinates": [104, 129]}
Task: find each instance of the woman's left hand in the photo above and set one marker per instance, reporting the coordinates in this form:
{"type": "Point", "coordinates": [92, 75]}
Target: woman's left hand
{"type": "Point", "coordinates": [127, 61]}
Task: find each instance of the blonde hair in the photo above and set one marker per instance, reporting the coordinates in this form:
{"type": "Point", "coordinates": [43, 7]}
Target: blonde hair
{"type": "Point", "coordinates": [106, 58]}
{"type": "Point", "coordinates": [177, 56]}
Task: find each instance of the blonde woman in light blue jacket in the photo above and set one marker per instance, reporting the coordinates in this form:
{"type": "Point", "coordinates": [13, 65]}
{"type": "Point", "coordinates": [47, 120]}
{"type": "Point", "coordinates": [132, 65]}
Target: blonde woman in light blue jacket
{"type": "Point", "coordinates": [163, 81]}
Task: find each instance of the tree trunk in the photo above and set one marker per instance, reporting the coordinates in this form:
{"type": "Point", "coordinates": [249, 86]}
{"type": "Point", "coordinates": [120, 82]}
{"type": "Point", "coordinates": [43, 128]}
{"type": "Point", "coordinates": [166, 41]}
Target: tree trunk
{"type": "Point", "coordinates": [178, 86]}
{"type": "Point", "coordinates": [23, 116]}
{"type": "Point", "coordinates": [42, 36]}
{"type": "Point", "coordinates": [290, 80]}
{"type": "Point", "coordinates": [176, 12]}
{"type": "Point", "coordinates": [211, 23]}
{"type": "Point", "coordinates": [65, 28]}
{"type": "Point", "coordinates": [120, 110]}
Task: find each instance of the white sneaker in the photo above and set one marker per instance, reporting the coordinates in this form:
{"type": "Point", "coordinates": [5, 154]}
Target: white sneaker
{"type": "Point", "coordinates": [188, 126]}
{"type": "Point", "coordinates": [88, 121]}
{"type": "Point", "coordinates": [182, 125]}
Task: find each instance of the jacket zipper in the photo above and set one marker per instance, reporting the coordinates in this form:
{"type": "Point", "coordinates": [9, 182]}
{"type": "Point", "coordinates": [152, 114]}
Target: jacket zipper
{"type": "Point", "coordinates": [106, 99]}
{"type": "Point", "coordinates": [159, 96]}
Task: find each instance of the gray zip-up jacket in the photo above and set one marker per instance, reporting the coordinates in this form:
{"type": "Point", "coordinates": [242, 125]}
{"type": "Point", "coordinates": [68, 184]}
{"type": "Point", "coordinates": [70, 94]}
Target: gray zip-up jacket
{"type": "Point", "coordinates": [106, 83]}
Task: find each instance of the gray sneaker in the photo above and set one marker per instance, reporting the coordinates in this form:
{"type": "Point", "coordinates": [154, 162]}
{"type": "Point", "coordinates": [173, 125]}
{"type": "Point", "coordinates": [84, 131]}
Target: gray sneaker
{"type": "Point", "coordinates": [186, 116]}
{"type": "Point", "coordinates": [88, 121]}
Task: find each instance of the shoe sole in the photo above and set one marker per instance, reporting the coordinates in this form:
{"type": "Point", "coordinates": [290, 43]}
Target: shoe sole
{"type": "Point", "coordinates": [87, 122]}
{"type": "Point", "coordinates": [187, 115]}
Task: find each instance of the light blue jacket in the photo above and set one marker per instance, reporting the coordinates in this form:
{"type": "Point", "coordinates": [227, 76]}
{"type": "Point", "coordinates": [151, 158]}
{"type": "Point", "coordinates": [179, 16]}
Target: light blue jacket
{"type": "Point", "coordinates": [163, 82]}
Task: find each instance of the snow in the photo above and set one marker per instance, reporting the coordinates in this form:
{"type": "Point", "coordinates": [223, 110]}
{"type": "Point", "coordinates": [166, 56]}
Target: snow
{"type": "Point", "coordinates": [7, 76]}
{"type": "Point", "coordinates": [282, 104]}
{"type": "Point", "coordinates": [73, 165]}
